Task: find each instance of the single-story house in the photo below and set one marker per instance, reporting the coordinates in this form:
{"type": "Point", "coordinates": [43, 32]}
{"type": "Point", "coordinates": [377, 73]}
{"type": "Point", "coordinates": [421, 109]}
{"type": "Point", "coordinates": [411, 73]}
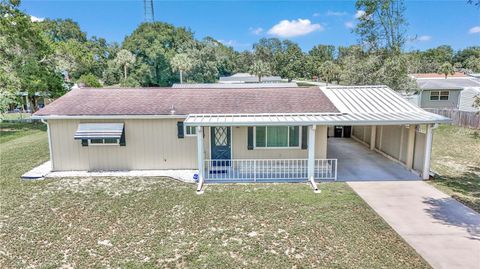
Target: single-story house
{"type": "Point", "coordinates": [235, 85]}
{"type": "Point", "coordinates": [249, 78]}
{"type": "Point", "coordinates": [436, 91]}
{"type": "Point", "coordinates": [266, 134]}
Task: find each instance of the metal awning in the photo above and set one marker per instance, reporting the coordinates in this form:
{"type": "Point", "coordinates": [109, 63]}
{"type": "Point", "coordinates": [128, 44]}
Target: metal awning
{"type": "Point", "coordinates": [99, 130]}
{"type": "Point", "coordinates": [397, 118]}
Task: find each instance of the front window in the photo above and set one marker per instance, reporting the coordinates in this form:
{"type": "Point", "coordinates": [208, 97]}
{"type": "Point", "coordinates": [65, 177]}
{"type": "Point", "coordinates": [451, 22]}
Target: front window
{"type": "Point", "coordinates": [190, 130]}
{"type": "Point", "coordinates": [277, 136]}
{"type": "Point", "coordinates": [439, 95]}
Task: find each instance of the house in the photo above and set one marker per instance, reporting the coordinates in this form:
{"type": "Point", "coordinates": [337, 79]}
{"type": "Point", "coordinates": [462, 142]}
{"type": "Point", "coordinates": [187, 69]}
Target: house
{"type": "Point", "coordinates": [436, 91]}
{"type": "Point", "coordinates": [249, 78]}
{"type": "Point", "coordinates": [266, 134]}
{"type": "Point", "coordinates": [235, 85]}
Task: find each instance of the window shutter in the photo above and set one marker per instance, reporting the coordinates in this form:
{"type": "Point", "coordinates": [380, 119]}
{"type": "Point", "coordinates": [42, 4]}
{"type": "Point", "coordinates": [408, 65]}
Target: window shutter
{"type": "Point", "coordinates": [250, 138]}
{"type": "Point", "coordinates": [304, 137]}
{"type": "Point", "coordinates": [84, 143]}
{"type": "Point", "coordinates": [122, 138]}
{"type": "Point", "coordinates": [180, 129]}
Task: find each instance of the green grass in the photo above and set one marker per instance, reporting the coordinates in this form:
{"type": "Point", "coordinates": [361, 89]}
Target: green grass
{"type": "Point", "coordinates": [456, 160]}
{"type": "Point", "coordinates": [15, 116]}
{"type": "Point", "coordinates": [9, 131]}
{"type": "Point", "coordinates": [159, 222]}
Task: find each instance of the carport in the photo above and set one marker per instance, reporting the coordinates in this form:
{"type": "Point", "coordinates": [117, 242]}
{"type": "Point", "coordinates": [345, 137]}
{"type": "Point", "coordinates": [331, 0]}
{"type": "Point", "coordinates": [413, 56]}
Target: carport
{"type": "Point", "coordinates": [384, 138]}
{"type": "Point", "coordinates": [356, 162]}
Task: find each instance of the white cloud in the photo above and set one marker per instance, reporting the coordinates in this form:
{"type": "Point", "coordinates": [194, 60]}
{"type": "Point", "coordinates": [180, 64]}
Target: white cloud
{"type": "Point", "coordinates": [36, 19]}
{"type": "Point", "coordinates": [316, 14]}
{"type": "Point", "coordinates": [424, 38]}
{"type": "Point", "coordinates": [336, 13]}
{"type": "Point", "coordinates": [474, 30]}
{"type": "Point", "coordinates": [359, 14]}
{"type": "Point", "coordinates": [292, 28]}
{"type": "Point", "coordinates": [256, 31]}
{"type": "Point", "coordinates": [349, 24]}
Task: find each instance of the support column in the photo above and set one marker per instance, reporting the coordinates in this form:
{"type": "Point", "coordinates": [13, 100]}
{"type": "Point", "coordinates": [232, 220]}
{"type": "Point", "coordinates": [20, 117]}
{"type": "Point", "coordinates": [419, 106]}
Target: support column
{"type": "Point", "coordinates": [373, 135]}
{"type": "Point", "coordinates": [410, 146]}
{"type": "Point", "coordinates": [311, 156]}
{"type": "Point", "coordinates": [200, 159]}
{"type": "Point", "coordinates": [428, 152]}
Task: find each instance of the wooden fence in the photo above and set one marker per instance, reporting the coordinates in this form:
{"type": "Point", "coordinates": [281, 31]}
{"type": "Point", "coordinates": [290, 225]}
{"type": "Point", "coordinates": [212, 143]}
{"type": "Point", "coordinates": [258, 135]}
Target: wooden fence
{"type": "Point", "coordinates": [461, 118]}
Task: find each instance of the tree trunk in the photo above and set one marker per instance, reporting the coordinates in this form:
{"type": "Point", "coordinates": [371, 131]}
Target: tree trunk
{"type": "Point", "coordinates": [259, 78]}
{"type": "Point", "coordinates": [181, 77]}
{"type": "Point", "coordinates": [125, 71]}
{"type": "Point", "coordinates": [33, 104]}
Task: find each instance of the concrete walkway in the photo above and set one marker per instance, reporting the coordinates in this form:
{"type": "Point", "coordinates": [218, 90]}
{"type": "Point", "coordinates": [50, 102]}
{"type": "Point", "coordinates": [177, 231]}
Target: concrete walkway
{"type": "Point", "coordinates": [358, 163]}
{"type": "Point", "coordinates": [443, 231]}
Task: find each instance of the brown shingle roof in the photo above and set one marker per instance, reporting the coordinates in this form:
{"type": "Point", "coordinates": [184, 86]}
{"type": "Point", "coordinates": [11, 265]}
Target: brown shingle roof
{"type": "Point", "coordinates": [159, 101]}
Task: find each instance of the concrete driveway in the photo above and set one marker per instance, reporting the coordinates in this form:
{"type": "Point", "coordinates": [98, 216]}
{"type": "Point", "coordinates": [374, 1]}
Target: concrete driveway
{"type": "Point", "coordinates": [358, 163]}
{"type": "Point", "coordinates": [443, 231]}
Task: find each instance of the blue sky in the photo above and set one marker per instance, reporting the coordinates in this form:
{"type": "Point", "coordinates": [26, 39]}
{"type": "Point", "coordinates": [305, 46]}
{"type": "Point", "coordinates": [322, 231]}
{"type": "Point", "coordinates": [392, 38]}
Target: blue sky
{"type": "Point", "coordinates": [241, 23]}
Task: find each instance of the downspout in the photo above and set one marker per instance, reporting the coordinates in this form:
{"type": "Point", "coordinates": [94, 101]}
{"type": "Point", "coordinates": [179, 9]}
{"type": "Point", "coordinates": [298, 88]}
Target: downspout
{"type": "Point", "coordinates": [49, 143]}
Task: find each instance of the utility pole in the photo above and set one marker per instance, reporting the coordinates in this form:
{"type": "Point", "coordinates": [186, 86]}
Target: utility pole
{"type": "Point", "coordinates": [148, 10]}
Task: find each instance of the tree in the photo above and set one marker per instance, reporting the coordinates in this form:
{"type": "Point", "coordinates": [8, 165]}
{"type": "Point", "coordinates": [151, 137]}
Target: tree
{"type": "Point", "coordinates": [316, 56]}
{"type": "Point", "coordinates": [472, 63]}
{"type": "Point", "coordinates": [447, 69]}
{"type": "Point", "coordinates": [260, 69]}
{"type": "Point", "coordinates": [182, 63]}
{"type": "Point", "coordinates": [29, 56]}
{"type": "Point", "coordinates": [90, 81]}
{"type": "Point", "coordinates": [124, 59]}
{"type": "Point", "coordinates": [290, 61]}
{"type": "Point", "coordinates": [154, 45]}
{"type": "Point", "coordinates": [329, 71]}
{"type": "Point", "coordinates": [383, 24]}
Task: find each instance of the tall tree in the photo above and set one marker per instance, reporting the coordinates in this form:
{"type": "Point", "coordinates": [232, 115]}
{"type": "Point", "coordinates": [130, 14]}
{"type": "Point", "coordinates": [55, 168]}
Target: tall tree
{"type": "Point", "coordinates": [447, 69]}
{"type": "Point", "coordinates": [382, 24]}
{"type": "Point", "coordinates": [316, 56]}
{"type": "Point", "coordinates": [125, 59]}
{"type": "Point", "coordinates": [154, 45]}
{"type": "Point", "coordinates": [182, 63]}
{"type": "Point", "coordinates": [329, 71]}
{"type": "Point", "coordinates": [260, 69]}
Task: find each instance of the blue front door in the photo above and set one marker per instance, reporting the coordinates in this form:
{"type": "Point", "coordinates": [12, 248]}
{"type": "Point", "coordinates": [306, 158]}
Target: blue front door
{"type": "Point", "coordinates": [221, 141]}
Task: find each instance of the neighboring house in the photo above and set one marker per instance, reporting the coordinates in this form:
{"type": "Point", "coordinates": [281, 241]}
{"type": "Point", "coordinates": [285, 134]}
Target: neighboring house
{"type": "Point", "coordinates": [249, 78]}
{"type": "Point", "coordinates": [267, 134]}
{"type": "Point", "coordinates": [436, 91]}
{"type": "Point", "coordinates": [467, 99]}
{"type": "Point", "coordinates": [235, 85]}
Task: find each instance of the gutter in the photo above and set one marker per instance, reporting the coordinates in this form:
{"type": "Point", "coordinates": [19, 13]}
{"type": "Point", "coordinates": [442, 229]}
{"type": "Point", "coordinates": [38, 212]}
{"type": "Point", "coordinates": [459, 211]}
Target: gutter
{"type": "Point", "coordinates": [107, 117]}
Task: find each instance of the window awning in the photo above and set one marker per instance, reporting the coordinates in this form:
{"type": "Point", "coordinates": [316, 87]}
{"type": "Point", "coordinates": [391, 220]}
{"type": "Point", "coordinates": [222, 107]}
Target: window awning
{"type": "Point", "coordinates": [99, 130]}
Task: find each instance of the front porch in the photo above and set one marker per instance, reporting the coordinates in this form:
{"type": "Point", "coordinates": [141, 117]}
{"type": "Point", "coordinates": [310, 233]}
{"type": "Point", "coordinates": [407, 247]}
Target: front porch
{"type": "Point", "coordinates": [267, 170]}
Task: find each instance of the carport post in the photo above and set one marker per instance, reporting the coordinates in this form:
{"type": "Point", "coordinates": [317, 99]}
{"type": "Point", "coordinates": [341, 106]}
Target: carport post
{"type": "Point", "coordinates": [200, 153]}
{"type": "Point", "coordinates": [373, 135]}
{"type": "Point", "coordinates": [311, 156]}
{"type": "Point", "coordinates": [410, 146]}
{"type": "Point", "coordinates": [428, 152]}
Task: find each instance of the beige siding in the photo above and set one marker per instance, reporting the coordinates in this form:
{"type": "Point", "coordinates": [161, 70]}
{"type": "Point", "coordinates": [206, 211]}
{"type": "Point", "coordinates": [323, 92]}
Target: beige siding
{"type": "Point", "coordinates": [150, 144]}
{"type": "Point", "coordinates": [153, 144]}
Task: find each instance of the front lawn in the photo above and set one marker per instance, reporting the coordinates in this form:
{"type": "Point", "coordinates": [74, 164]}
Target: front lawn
{"type": "Point", "coordinates": [456, 160]}
{"type": "Point", "coordinates": [160, 222]}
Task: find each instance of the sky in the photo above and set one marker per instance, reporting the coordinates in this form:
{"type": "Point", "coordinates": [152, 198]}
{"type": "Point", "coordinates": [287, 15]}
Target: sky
{"type": "Point", "coordinates": [241, 23]}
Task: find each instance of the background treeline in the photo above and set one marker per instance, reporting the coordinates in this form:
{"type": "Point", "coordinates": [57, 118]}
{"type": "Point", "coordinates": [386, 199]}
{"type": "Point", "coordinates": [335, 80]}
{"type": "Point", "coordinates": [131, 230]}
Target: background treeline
{"type": "Point", "coordinates": [49, 56]}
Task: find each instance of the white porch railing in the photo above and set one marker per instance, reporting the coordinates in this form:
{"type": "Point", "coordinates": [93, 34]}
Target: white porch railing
{"type": "Point", "coordinates": [268, 169]}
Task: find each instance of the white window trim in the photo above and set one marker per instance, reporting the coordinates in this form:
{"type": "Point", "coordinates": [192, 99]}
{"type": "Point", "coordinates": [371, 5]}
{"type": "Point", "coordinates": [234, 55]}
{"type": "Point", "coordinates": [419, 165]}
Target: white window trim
{"type": "Point", "coordinates": [185, 131]}
{"type": "Point", "coordinates": [439, 95]}
{"type": "Point", "coordinates": [103, 144]}
{"type": "Point", "coordinates": [288, 134]}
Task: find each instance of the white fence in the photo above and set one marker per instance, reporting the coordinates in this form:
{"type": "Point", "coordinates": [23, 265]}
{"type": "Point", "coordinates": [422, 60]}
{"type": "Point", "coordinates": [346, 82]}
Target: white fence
{"type": "Point", "coordinates": [268, 169]}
